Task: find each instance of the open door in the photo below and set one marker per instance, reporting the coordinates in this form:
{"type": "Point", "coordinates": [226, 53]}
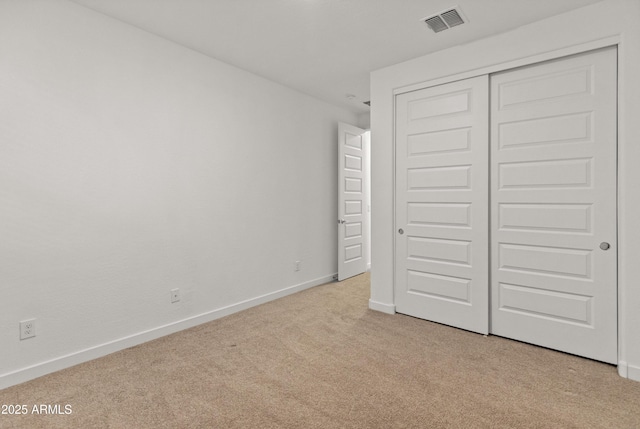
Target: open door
{"type": "Point", "coordinates": [352, 201]}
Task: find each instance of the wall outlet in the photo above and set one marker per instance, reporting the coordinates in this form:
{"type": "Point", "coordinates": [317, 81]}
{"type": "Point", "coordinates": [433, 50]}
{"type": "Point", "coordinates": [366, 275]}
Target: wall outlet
{"type": "Point", "coordinates": [27, 329]}
{"type": "Point", "coordinates": [175, 295]}
{"type": "Point", "coordinates": [297, 265]}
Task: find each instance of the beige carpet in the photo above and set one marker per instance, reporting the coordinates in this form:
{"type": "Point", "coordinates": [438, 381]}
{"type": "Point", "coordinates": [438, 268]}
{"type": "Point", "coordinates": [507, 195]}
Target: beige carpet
{"type": "Point", "coordinates": [321, 359]}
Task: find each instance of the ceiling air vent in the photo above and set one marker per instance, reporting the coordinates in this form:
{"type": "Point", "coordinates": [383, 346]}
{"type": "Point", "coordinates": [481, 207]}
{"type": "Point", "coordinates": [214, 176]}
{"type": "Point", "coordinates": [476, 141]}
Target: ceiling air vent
{"type": "Point", "coordinates": [436, 23]}
{"type": "Point", "coordinates": [445, 20]}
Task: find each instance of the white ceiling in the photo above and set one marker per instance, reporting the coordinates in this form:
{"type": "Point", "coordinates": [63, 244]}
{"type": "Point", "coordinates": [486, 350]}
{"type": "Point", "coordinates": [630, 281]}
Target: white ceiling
{"type": "Point", "coordinates": [325, 48]}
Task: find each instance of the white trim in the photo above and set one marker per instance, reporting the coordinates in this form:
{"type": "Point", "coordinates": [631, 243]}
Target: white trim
{"type": "Point", "coordinates": [633, 372]}
{"type": "Point", "coordinates": [621, 145]}
{"type": "Point", "coordinates": [628, 371]}
{"type": "Point", "coordinates": [520, 62]}
{"type": "Point", "coordinates": [623, 369]}
{"type": "Point", "coordinates": [59, 363]}
{"type": "Point", "coordinates": [384, 308]}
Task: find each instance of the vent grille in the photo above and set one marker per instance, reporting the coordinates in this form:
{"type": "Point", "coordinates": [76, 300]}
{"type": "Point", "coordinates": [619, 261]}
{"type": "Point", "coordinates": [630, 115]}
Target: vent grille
{"type": "Point", "coordinates": [452, 18]}
{"type": "Point", "coordinates": [436, 23]}
{"type": "Point", "coordinates": [445, 20]}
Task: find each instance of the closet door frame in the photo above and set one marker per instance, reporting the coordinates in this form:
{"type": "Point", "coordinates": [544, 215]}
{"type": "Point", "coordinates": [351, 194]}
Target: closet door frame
{"type": "Point", "coordinates": [613, 41]}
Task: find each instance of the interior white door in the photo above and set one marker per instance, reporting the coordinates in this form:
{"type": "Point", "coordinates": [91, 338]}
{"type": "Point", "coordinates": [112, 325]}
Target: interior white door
{"type": "Point", "coordinates": [553, 138]}
{"type": "Point", "coordinates": [442, 204]}
{"type": "Point", "coordinates": [352, 201]}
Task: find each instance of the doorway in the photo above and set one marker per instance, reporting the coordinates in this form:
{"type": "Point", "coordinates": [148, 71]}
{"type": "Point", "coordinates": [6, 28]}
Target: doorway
{"type": "Point", "coordinates": [354, 196]}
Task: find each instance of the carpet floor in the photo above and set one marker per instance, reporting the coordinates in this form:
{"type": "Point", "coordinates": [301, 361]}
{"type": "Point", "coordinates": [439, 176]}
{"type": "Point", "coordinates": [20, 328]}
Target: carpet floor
{"type": "Point", "coordinates": [321, 359]}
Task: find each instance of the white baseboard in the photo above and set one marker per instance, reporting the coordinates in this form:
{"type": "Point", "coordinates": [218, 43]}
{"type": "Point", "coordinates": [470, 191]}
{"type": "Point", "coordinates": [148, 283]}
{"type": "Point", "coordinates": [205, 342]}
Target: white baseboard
{"type": "Point", "coordinates": [622, 369]}
{"type": "Point", "coordinates": [384, 308]}
{"type": "Point", "coordinates": [632, 372]}
{"type": "Point", "coordinates": [628, 371]}
{"type": "Point", "coordinates": [66, 361]}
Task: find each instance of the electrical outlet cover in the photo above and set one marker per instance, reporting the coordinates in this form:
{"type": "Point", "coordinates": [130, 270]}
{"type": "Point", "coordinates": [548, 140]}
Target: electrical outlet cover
{"type": "Point", "coordinates": [27, 329]}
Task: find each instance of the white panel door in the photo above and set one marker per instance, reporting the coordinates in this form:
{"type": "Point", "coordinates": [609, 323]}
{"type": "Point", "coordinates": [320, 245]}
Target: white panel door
{"type": "Point", "coordinates": [442, 204]}
{"type": "Point", "coordinates": [553, 162]}
{"type": "Point", "coordinates": [352, 201]}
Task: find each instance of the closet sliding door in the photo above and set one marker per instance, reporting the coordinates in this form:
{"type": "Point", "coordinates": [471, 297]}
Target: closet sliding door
{"type": "Point", "coordinates": [553, 193]}
{"type": "Point", "coordinates": [441, 204]}
{"type": "Point", "coordinates": [553, 204]}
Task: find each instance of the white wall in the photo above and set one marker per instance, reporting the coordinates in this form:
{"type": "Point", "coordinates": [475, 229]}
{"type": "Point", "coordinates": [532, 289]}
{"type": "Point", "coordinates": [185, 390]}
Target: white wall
{"type": "Point", "coordinates": [606, 22]}
{"type": "Point", "coordinates": [130, 166]}
{"type": "Point", "coordinates": [364, 120]}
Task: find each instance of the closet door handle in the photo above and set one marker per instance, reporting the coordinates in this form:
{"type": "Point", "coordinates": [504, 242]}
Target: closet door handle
{"type": "Point", "coordinates": [604, 245]}
{"type": "Point", "coordinates": [401, 231]}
